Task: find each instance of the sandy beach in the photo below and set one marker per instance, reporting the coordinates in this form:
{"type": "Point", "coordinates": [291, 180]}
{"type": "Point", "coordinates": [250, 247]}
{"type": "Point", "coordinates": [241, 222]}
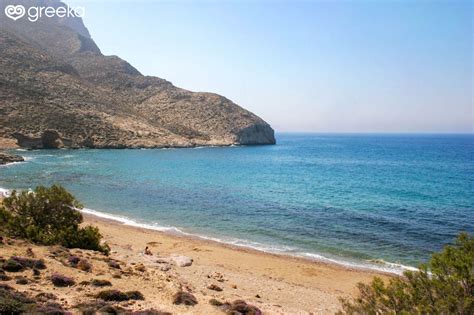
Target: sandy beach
{"type": "Point", "coordinates": [276, 284]}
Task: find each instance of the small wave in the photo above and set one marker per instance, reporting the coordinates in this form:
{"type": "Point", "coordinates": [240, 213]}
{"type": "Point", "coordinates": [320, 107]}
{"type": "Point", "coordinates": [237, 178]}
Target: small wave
{"type": "Point", "coordinates": [131, 222]}
{"type": "Point", "coordinates": [11, 164]}
{"type": "Point", "coordinates": [377, 265]}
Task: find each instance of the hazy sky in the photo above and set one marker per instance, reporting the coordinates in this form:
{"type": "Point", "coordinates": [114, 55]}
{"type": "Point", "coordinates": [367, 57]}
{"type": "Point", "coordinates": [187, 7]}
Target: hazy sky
{"type": "Point", "coordinates": [330, 66]}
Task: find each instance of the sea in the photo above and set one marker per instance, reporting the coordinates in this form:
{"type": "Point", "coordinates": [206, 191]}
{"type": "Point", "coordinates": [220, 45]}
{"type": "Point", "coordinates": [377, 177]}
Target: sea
{"type": "Point", "coordinates": [377, 201]}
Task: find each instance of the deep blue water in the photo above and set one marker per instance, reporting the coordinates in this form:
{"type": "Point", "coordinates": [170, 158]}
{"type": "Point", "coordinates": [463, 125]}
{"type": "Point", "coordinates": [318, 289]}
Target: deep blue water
{"type": "Point", "coordinates": [351, 198]}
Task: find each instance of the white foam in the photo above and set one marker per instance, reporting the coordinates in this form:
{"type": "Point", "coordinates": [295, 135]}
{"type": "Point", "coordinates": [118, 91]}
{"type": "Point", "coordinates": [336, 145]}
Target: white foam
{"type": "Point", "coordinates": [131, 222]}
{"type": "Point", "coordinates": [380, 265]}
{"type": "Point", "coordinates": [11, 164]}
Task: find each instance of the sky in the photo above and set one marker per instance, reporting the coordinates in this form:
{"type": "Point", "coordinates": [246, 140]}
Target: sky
{"type": "Point", "coordinates": [321, 66]}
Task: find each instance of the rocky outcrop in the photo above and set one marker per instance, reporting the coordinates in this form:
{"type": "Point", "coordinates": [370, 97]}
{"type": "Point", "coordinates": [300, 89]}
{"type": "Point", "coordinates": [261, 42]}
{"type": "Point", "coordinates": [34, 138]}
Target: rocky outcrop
{"type": "Point", "coordinates": [58, 90]}
{"type": "Point", "coordinates": [49, 139]}
{"type": "Point", "coordinates": [9, 158]}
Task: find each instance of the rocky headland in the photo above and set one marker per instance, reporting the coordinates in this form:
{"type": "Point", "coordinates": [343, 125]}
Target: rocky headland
{"type": "Point", "coordinates": [58, 90]}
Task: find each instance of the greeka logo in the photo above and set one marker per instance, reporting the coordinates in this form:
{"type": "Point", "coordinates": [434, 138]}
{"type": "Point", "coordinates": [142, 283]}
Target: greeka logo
{"type": "Point", "coordinates": [16, 12]}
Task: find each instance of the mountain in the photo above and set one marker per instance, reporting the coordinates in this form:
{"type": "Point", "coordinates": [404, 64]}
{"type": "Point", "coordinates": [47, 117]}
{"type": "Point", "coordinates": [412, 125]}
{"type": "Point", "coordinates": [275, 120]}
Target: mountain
{"type": "Point", "coordinates": [58, 90]}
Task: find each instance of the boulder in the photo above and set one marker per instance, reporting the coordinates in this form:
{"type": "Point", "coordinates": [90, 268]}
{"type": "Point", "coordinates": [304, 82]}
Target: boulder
{"type": "Point", "coordinates": [182, 261]}
{"type": "Point", "coordinates": [10, 158]}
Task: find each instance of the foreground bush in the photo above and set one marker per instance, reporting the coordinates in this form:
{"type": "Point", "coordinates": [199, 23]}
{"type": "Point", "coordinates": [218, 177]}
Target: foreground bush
{"type": "Point", "coordinates": [48, 216]}
{"type": "Point", "coordinates": [443, 286]}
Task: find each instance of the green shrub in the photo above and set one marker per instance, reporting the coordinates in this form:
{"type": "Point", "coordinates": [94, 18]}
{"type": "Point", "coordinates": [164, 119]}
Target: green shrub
{"type": "Point", "coordinates": [445, 285]}
{"type": "Point", "coordinates": [48, 216]}
{"type": "Point", "coordinates": [12, 265]}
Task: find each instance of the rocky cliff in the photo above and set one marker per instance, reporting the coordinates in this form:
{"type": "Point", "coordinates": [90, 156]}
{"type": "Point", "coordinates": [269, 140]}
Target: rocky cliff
{"type": "Point", "coordinates": [58, 90]}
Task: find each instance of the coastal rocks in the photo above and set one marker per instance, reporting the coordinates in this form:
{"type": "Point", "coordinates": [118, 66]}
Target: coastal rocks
{"type": "Point", "coordinates": [256, 134]}
{"type": "Point", "coordinates": [48, 139]}
{"type": "Point", "coordinates": [182, 261]}
{"type": "Point", "coordinates": [10, 158]}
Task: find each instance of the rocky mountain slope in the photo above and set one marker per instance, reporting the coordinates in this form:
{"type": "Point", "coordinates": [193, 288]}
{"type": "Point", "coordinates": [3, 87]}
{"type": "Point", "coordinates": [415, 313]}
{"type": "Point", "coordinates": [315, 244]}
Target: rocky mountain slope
{"type": "Point", "coordinates": [58, 90]}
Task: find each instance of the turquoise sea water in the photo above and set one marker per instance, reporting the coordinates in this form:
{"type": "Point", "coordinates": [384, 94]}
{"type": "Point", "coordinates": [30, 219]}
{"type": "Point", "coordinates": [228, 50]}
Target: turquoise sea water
{"type": "Point", "coordinates": [348, 198]}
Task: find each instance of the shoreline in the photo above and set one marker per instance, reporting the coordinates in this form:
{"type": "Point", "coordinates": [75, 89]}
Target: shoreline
{"type": "Point", "coordinates": [92, 219]}
{"type": "Point", "coordinates": [278, 284]}
{"type": "Point", "coordinates": [383, 268]}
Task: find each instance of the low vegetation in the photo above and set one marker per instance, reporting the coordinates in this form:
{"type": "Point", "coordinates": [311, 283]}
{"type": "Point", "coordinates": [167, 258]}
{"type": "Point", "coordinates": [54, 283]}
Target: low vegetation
{"type": "Point", "coordinates": [60, 280]}
{"type": "Point", "coordinates": [116, 295]}
{"type": "Point", "coordinates": [184, 298]}
{"type": "Point", "coordinates": [48, 216]}
{"type": "Point", "coordinates": [445, 285]}
{"type": "Point", "coordinates": [101, 283]}
{"type": "Point", "coordinates": [17, 264]}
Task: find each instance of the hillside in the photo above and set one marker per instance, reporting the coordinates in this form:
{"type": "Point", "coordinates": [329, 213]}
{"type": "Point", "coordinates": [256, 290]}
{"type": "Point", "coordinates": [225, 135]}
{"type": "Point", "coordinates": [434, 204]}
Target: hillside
{"type": "Point", "coordinates": [58, 90]}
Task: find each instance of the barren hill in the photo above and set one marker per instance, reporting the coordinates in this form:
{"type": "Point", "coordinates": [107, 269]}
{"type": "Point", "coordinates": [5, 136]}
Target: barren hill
{"type": "Point", "coordinates": [58, 89]}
